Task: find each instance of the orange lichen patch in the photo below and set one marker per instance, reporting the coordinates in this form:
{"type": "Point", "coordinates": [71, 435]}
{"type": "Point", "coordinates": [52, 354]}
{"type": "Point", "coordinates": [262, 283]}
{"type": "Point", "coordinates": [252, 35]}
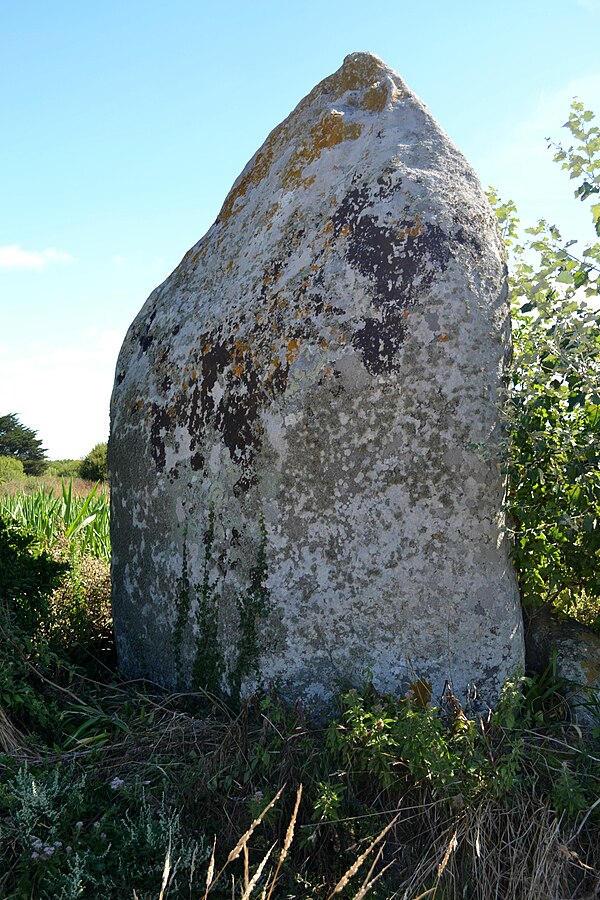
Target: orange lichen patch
{"type": "Point", "coordinates": [328, 372]}
{"type": "Point", "coordinates": [237, 369]}
{"type": "Point", "coordinates": [258, 171]}
{"type": "Point", "coordinates": [207, 348]}
{"type": "Point", "coordinates": [375, 98]}
{"type": "Point", "coordinates": [330, 130]}
{"type": "Point", "coordinates": [345, 231]}
{"type": "Point", "coordinates": [443, 338]}
{"type": "Point", "coordinates": [329, 226]}
{"type": "Point", "coordinates": [139, 404]}
{"type": "Point", "coordinates": [412, 230]}
{"type": "Point", "coordinates": [293, 349]}
{"type": "Point", "coordinates": [358, 71]}
{"type": "Point", "coordinates": [229, 265]}
{"type": "Point", "coordinates": [405, 313]}
{"type": "Point", "coordinates": [324, 344]}
{"type": "Point", "coordinates": [241, 348]}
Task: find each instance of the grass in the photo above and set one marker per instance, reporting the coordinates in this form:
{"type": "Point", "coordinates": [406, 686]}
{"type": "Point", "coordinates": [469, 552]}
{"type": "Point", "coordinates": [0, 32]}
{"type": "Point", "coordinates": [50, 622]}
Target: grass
{"type": "Point", "coordinates": [51, 484]}
{"type": "Point", "coordinates": [116, 789]}
{"type": "Point", "coordinates": [78, 514]}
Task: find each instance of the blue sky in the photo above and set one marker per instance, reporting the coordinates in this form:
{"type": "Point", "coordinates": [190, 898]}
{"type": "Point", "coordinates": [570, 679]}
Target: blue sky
{"type": "Point", "coordinates": [125, 123]}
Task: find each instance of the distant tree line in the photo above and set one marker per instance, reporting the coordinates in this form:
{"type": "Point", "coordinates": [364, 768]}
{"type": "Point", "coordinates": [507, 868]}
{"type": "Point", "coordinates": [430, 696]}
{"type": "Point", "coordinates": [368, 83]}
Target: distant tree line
{"type": "Point", "coordinates": [22, 453]}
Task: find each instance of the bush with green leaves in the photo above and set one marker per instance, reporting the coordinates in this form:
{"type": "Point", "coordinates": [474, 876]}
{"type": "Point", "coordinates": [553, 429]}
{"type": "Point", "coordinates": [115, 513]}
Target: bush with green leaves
{"type": "Point", "coordinates": [64, 468]}
{"type": "Point", "coordinates": [93, 467]}
{"type": "Point", "coordinates": [554, 411]}
{"type": "Point", "coordinates": [11, 469]}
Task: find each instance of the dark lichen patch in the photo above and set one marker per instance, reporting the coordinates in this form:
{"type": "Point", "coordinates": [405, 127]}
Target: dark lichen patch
{"type": "Point", "coordinates": [160, 426]}
{"type": "Point", "coordinates": [400, 259]}
{"type": "Point", "coordinates": [378, 340]}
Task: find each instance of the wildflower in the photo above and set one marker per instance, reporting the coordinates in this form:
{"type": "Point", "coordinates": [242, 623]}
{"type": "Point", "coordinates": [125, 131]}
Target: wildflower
{"type": "Point", "coordinates": [103, 835]}
{"type": "Point", "coordinates": [35, 855]}
{"type": "Point", "coordinates": [79, 825]}
{"type": "Point", "coordinates": [58, 843]}
{"type": "Point", "coordinates": [117, 783]}
{"type": "Point", "coordinates": [37, 844]}
{"type": "Point", "coordinates": [48, 851]}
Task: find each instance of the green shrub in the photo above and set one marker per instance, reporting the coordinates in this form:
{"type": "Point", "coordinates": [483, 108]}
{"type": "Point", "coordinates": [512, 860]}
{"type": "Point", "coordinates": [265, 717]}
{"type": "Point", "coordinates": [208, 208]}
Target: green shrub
{"type": "Point", "coordinates": [93, 466]}
{"type": "Point", "coordinates": [11, 469]}
{"type": "Point", "coordinates": [553, 417]}
{"type": "Point", "coordinates": [67, 834]}
{"type": "Point", "coordinates": [64, 468]}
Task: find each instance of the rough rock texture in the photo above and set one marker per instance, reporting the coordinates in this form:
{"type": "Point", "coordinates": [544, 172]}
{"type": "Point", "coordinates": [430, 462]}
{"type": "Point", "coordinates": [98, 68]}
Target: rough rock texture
{"type": "Point", "coordinates": [575, 651]}
{"type": "Point", "coordinates": [305, 418]}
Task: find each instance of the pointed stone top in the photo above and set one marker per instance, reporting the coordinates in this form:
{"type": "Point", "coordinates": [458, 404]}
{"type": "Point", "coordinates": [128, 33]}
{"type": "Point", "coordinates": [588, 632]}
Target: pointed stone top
{"type": "Point", "coordinates": [363, 72]}
{"type": "Point", "coordinates": [362, 67]}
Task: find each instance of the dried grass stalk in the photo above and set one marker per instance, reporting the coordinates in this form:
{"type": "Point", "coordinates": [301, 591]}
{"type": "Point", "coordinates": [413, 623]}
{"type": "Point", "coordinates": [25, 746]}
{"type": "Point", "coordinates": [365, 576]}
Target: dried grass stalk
{"type": "Point", "coordinates": [351, 872]}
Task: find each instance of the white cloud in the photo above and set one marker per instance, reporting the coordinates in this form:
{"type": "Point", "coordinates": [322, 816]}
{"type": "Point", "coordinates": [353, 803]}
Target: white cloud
{"type": "Point", "coordinates": [12, 256]}
{"type": "Point", "coordinates": [590, 5]}
{"type": "Point", "coordinates": [62, 392]}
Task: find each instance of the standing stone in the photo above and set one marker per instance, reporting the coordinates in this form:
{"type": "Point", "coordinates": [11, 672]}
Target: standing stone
{"type": "Point", "coordinates": [305, 421]}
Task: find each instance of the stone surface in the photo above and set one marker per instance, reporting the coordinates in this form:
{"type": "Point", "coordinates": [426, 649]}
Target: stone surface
{"type": "Point", "coordinates": [574, 650]}
{"type": "Point", "coordinates": [305, 420]}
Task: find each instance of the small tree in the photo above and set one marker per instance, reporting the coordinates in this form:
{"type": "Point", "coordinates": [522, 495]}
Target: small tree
{"type": "Point", "coordinates": [93, 466]}
{"type": "Point", "coordinates": [554, 411]}
{"type": "Point", "coordinates": [20, 442]}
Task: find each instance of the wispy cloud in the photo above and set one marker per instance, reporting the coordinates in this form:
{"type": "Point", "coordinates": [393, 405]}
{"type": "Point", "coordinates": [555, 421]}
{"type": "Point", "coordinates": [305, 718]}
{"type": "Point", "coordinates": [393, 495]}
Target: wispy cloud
{"type": "Point", "coordinates": [590, 5]}
{"type": "Point", "coordinates": [12, 256]}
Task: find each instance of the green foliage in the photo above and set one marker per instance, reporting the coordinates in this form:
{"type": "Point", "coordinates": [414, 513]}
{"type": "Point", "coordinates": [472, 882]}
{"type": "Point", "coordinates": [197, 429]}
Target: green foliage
{"type": "Point", "coordinates": [20, 442]}
{"type": "Point", "coordinates": [28, 576]}
{"type": "Point", "coordinates": [252, 607]}
{"type": "Point", "coordinates": [208, 663]}
{"type": "Point", "coordinates": [554, 410]}
{"type": "Point", "coordinates": [67, 834]}
{"type": "Point", "coordinates": [65, 468]}
{"type": "Point", "coordinates": [82, 521]}
{"type": "Point", "coordinates": [11, 469]}
{"type": "Point", "coordinates": [93, 467]}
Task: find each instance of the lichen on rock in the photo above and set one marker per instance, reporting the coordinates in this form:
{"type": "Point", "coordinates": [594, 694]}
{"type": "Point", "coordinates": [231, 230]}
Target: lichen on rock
{"type": "Point", "coordinates": [322, 375]}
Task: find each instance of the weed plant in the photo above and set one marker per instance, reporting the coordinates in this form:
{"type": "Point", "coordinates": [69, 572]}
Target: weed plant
{"type": "Point", "coordinates": [113, 789]}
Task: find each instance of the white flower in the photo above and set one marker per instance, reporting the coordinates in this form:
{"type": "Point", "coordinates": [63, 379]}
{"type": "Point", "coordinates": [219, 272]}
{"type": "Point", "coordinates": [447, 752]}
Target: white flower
{"type": "Point", "coordinates": [116, 783]}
